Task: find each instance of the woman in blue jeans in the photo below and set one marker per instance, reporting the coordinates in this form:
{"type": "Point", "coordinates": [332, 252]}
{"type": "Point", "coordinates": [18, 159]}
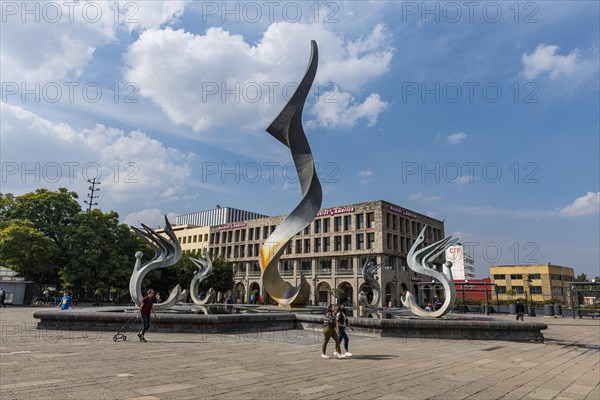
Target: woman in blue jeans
{"type": "Point", "coordinates": [342, 322]}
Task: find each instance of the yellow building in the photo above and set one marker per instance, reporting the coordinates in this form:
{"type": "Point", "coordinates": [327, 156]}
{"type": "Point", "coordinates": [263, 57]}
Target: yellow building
{"type": "Point", "coordinates": [538, 282]}
{"type": "Point", "coordinates": [191, 237]}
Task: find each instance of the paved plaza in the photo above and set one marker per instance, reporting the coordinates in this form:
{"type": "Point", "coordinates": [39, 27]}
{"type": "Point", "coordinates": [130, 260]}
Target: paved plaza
{"type": "Point", "coordinates": [36, 364]}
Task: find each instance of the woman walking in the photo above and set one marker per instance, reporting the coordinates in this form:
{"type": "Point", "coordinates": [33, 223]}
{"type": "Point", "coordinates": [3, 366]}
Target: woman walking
{"type": "Point", "coordinates": [342, 322]}
{"type": "Point", "coordinates": [330, 331]}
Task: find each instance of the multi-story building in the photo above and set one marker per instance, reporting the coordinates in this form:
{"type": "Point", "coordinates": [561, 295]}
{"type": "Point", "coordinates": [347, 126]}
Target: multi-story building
{"type": "Point", "coordinates": [330, 252]}
{"type": "Point", "coordinates": [217, 216]}
{"type": "Point", "coordinates": [463, 265]}
{"type": "Point", "coordinates": [539, 282]}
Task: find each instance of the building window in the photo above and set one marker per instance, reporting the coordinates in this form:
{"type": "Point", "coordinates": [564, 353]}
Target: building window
{"type": "Point", "coordinates": [347, 242]}
{"type": "Point", "coordinates": [317, 245]}
{"type": "Point", "coordinates": [317, 226]}
{"type": "Point", "coordinates": [389, 241]}
{"type": "Point", "coordinates": [256, 249]}
{"type": "Point", "coordinates": [347, 222]}
{"type": "Point", "coordinates": [298, 247]}
{"type": "Point", "coordinates": [265, 232]}
{"type": "Point", "coordinates": [518, 289]}
{"type": "Point", "coordinates": [371, 220]}
{"type": "Point", "coordinates": [557, 291]}
{"type": "Point", "coordinates": [250, 247]}
{"type": "Point", "coordinates": [346, 263]}
{"type": "Point", "coordinates": [516, 276]}
{"type": "Point", "coordinates": [401, 264]}
{"type": "Point", "coordinates": [307, 245]}
{"type": "Point", "coordinates": [257, 233]}
{"type": "Point", "coordinates": [251, 233]}
{"type": "Point", "coordinates": [500, 289]}
{"type": "Point", "coordinates": [229, 236]}
{"type": "Point", "coordinates": [326, 224]}
{"type": "Point", "coordinates": [534, 276]}
{"type": "Point", "coordinates": [288, 248]}
{"type": "Point", "coordinates": [395, 243]}
{"type": "Point", "coordinates": [337, 243]}
{"type": "Point", "coordinates": [306, 266]}
{"type": "Point", "coordinates": [394, 222]}
{"type": "Point", "coordinates": [370, 240]}
{"type": "Point", "coordinates": [243, 235]}
{"type": "Point", "coordinates": [499, 276]}
{"type": "Point", "coordinates": [360, 221]}
{"type": "Point", "coordinates": [337, 224]}
{"type": "Point", "coordinates": [325, 264]}
{"type": "Point", "coordinates": [327, 244]}
{"type": "Point", "coordinates": [360, 241]}
{"type": "Point", "coordinates": [536, 290]}
{"type": "Point", "coordinates": [388, 220]}
{"type": "Point", "coordinates": [555, 277]}
{"type": "Point", "coordinates": [307, 230]}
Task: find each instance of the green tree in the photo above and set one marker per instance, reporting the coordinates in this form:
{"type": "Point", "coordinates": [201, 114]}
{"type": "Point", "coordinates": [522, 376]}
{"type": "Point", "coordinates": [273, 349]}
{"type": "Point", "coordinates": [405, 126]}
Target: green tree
{"type": "Point", "coordinates": [336, 293]}
{"type": "Point", "coordinates": [100, 252]}
{"type": "Point", "coordinates": [582, 277]}
{"type": "Point", "coordinates": [221, 278]}
{"type": "Point", "coordinates": [6, 203]}
{"type": "Point", "coordinates": [51, 212]}
{"type": "Point", "coordinates": [25, 249]}
{"type": "Point", "coordinates": [511, 293]}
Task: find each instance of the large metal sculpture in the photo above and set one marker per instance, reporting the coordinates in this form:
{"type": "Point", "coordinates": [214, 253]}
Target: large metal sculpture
{"type": "Point", "coordinates": [287, 128]}
{"type": "Point", "coordinates": [368, 271]}
{"type": "Point", "coordinates": [167, 251]}
{"type": "Point", "coordinates": [204, 269]}
{"type": "Point", "coordinates": [421, 261]}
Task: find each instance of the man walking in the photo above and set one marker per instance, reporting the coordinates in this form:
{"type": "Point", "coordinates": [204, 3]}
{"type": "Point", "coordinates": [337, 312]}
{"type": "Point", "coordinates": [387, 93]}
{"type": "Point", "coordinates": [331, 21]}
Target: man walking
{"type": "Point", "coordinates": [520, 310]}
{"type": "Point", "coordinates": [146, 307]}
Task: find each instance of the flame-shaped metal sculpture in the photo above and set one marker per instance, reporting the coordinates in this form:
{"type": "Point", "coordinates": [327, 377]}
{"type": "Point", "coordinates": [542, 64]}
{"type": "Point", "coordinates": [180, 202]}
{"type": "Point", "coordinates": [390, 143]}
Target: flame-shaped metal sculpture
{"type": "Point", "coordinates": [287, 128]}
{"type": "Point", "coordinates": [166, 253]}
{"type": "Point", "coordinates": [420, 261]}
{"type": "Point", "coordinates": [204, 269]}
{"type": "Point", "coordinates": [368, 271]}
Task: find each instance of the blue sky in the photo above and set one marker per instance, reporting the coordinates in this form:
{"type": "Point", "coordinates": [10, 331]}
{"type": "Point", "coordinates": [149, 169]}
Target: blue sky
{"type": "Point", "coordinates": [483, 114]}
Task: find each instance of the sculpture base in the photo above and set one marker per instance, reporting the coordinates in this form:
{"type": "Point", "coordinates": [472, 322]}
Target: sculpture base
{"type": "Point", "coordinates": [268, 319]}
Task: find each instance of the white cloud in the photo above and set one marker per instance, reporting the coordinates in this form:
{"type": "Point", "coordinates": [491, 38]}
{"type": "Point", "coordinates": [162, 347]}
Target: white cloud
{"type": "Point", "coordinates": [188, 75]}
{"type": "Point", "coordinates": [586, 205]}
{"type": "Point", "coordinates": [546, 60]}
{"type": "Point", "coordinates": [364, 175]}
{"type": "Point", "coordinates": [456, 138]}
{"type": "Point", "coordinates": [344, 112]}
{"type": "Point", "coordinates": [152, 217]}
{"type": "Point", "coordinates": [131, 166]}
{"type": "Point", "coordinates": [420, 197]}
{"type": "Point", "coordinates": [464, 180]}
{"type": "Point", "coordinates": [63, 40]}
{"type": "Point", "coordinates": [583, 206]}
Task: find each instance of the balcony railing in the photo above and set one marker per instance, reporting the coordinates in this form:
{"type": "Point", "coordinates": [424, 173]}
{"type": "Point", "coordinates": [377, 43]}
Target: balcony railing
{"type": "Point", "coordinates": [344, 271]}
{"type": "Point", "coordinates": [286, 272]}
{"type": "Point", "coordinates": [253, 273]}
{"type": "Point", "coordinates": [324, 271]}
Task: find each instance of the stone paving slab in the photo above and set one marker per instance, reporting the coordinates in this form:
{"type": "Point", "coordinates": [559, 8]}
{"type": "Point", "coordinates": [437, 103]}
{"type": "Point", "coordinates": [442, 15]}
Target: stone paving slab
{"type": "Point", "coordinates": [88, 365]}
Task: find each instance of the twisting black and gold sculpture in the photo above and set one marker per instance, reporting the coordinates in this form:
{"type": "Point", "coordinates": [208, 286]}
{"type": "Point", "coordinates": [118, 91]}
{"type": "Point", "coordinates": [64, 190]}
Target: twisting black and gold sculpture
{"type": "Point", "coordinates": [287, 128]}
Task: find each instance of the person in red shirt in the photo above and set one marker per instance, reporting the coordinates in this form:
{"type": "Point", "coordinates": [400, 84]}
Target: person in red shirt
{"type": "Point", "coordinates": [146, 307]}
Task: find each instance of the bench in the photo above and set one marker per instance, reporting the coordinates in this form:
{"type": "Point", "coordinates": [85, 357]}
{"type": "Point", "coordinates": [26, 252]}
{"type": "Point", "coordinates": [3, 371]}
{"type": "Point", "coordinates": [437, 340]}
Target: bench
{"type": "Point", "coordinates": [588, 313]}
